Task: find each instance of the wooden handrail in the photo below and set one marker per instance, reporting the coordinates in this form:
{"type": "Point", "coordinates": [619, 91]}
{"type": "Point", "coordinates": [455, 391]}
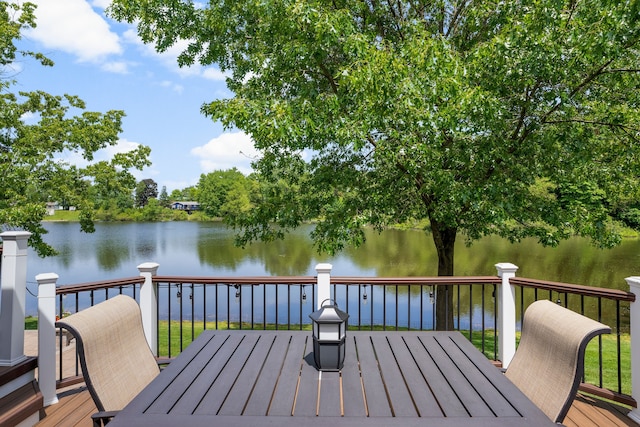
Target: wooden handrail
{"type": "Point", "coordinates": [614, 294]}
{"type": "Point", "coordinates": [338, 280]}
{"type": "Point", "coordinates": [427, 280]}
{"type": "Point", "coordinates": [93, 286]}
{"type": "Point", "coordinates": [249, 280]}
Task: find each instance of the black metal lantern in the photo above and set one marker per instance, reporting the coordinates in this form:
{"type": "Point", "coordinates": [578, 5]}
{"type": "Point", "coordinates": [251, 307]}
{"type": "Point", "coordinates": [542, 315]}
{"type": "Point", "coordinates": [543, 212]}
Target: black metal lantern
{"type": "Point", "coordinates": [329, 333]}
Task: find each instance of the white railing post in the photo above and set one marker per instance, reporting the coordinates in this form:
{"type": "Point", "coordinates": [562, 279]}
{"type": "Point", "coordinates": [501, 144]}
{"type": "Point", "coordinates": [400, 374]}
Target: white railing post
{"type": "Point", "coordinates": [634, 323]}
{"type": "Point", "coordinates": [12, 299]}
{"type": "Point", "coordinates": [47, 336]}
{"type": "Point", "coordinates": [506, 322]}
{"type": "Point", "coordinates": [149, 304]}
{"type": "Point", "coordinates": [324, 284]}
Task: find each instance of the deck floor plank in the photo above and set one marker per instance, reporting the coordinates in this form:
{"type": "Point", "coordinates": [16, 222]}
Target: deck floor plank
{"type": "Point", "coordinates": [587, 411]}
{"type": "Point", "coordinates": [73, 409]}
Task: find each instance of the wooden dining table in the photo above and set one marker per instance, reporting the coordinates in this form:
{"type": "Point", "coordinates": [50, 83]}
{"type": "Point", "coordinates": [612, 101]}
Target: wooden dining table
{"type": "Point", "coordinates": [389, 378]}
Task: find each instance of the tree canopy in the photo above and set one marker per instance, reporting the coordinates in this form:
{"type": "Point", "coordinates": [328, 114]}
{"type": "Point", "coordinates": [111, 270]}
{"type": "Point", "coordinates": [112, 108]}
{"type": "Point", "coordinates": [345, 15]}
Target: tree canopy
{"type": "Point", "coordinates": [37, 129]}
{"type": "Point", "coordinates": [517, 118]}
{"type": "Point", "coordinates": [146, 190]}
{"type": "Point", "coordinates": [224, 193]}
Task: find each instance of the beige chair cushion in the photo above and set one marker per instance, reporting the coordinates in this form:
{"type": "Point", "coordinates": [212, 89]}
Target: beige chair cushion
{"type": "Point", "coordinates": [116, 360]}
{"type": "Point", "coordinates": [549, 362]}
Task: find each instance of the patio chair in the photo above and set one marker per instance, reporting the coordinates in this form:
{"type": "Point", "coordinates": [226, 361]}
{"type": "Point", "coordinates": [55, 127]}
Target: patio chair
{"type": "Point", "coordinates": [116, 360]}
{"type": "Point", "coordinates": [548, 365]}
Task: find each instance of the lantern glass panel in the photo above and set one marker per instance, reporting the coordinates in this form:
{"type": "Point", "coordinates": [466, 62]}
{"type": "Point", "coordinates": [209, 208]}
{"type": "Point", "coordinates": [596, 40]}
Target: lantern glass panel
{"type": "Point", "coordinates": [329, 332]}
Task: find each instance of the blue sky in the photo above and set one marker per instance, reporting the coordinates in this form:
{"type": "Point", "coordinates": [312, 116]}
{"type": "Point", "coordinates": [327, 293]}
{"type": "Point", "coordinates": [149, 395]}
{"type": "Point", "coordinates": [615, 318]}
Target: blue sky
{"type": "Point", "coordinates": [105, 64]}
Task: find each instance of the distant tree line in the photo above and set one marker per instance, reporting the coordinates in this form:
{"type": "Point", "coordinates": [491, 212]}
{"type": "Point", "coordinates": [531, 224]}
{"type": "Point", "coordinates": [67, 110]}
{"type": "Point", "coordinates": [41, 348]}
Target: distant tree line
{"type": "Point", "coordinates": [230, 195]}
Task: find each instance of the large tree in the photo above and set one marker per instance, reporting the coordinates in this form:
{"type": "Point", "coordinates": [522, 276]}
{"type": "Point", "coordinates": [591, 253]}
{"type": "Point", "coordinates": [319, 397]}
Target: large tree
{"type": "Point", "coordinates": [146, 190]}
{"type": "Point", "coordinates": [518, 118]}
{"type": "Point", "coordinates": [36, 130]}
{"type": "Point", "coordinates": [223, 192]}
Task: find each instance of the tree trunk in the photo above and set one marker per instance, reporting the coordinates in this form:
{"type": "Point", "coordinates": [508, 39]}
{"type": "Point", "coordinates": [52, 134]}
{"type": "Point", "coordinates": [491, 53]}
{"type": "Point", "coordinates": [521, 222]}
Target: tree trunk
{"type": "Point", "coordinates": [444, 238]}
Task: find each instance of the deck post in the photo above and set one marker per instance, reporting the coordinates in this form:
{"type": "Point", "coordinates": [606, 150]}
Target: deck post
{"type": "Point", "coordinates": [324, 283]}
{"type": "Point", "coordinates": [506, 322]}
{"type": "Point", "coordinates": [634, 288]}
{"type": "Point", "coordinates": [12, 299]}
{"type": "Point", "coordinates": [149, 304]}
{"type": "Point", "coordinates": [47, 337]}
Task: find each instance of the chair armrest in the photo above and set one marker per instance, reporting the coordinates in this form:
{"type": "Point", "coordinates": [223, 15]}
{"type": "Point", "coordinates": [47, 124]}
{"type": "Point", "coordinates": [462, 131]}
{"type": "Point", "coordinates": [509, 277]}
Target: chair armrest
{"type": "Point", "coordinates": [103, 417]}
{"type": "Point", "coordinates": [163, 362]}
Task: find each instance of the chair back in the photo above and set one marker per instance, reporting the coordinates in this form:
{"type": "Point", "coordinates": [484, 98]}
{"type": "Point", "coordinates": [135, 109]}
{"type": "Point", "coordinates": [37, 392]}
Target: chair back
{"type": "Point", "coordinates": [115, 357]}
{"type": "Point", "coordinates": [549, 362]}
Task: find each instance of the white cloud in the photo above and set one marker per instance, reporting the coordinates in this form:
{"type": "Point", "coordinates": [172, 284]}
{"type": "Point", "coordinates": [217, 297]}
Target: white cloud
{"type": "Point", "coordinates": [105, 154]}
{"type": "Point", "coordinates": [173, 86]}
{"type": "Point", "coordinates": [169, 58]}
{"type": "Point", "coordinates": [122, 146]}
{"type": "Point", "coordinates": [214, 74]}
{"type": "Point", "coordinates": [101, 3]}
{"type": "Point", "coordinates": [74, 27]}
{"type": "Point", "coordinates": [229, 150]}
{"type": "Point", "coordinates": [9, 71]}
{"type": "Point", "coordinates": [117, 67]}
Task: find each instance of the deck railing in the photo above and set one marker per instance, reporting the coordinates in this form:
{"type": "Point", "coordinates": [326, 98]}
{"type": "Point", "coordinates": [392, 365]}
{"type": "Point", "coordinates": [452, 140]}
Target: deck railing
{"type": "Point", "coordinates": [487, 309]}
{"type": "Point", "coordinates": [486, 306]}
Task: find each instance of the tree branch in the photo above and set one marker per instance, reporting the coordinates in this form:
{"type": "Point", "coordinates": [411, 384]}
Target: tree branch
{"type": "Point", "coordinates": [453, 24]}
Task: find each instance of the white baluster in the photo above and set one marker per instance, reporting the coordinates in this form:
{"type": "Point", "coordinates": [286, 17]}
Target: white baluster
{"type": "Point", "coordinates": [506, 322]}
{"type": "Point", "coordinates": [12, 298]}
{"type": "Point", "coordinates": [47, 336]}
{"type": "Point", "coordinates": [149, 304]}
{"type": "Point", "coordinates": [324, 283]}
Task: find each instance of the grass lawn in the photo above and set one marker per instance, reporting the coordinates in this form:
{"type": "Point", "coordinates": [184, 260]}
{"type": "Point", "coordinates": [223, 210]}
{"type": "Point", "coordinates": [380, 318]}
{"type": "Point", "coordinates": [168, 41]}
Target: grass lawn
{"type": "Point", "coordinates": [72, 216]}
{"type": "Point", "coordinates": [31, 323]}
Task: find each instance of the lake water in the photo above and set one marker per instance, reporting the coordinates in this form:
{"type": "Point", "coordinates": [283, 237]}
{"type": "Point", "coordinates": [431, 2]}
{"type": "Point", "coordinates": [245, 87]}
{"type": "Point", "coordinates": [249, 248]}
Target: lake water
{"type": "Point", "coordinates": [207, 249]}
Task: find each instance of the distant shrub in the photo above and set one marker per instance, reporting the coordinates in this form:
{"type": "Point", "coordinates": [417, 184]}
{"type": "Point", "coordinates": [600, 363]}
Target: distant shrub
{"type": "Point", "coordinates": [631, 218]}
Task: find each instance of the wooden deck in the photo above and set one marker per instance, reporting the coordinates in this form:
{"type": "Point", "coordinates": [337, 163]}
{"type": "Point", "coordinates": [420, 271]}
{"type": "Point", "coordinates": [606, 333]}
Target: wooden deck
{"type": "Point", "coordinates": [75, 409]}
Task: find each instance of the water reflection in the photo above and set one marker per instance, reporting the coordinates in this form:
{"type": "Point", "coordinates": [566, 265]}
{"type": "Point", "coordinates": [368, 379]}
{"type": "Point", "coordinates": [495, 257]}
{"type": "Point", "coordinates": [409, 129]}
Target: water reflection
{"type": "Point", "coordinates": [208, 249]}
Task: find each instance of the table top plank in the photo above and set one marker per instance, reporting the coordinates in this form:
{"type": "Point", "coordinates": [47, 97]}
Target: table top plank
{"type": "Point", "coordinates": [470, 397]}
{"type": "Point", "coordinates": [178, 376]}
{"type": "Point", "coordinates": [156, 420]}
{"type": "Point", "coordinates": [260, 399]}
{"type": "Point", "coordinates": [498, 404]}
{"type": "Point", "coordinates": [282, 402]}
{"type": "Point", "coordinates": [306, 402]}
{"type": "Point", "coordinates": [423, 399]}
{"type": "Point", "coordinates": [353, 401]}
{"type": "Point", "coordinates": [239, 395]}
{"type": "Point", "coordinates": [401, 400]}
{"type": "Point", "coordinates": [227, 378]}
{"type": "Point", "coordinates": [186, 399]}
{"type": "Point", "coordinates": [507, 389]}
{"type": "Point", "coordinates": [375, 393]}
{"type": "Point", "coordinates": [238, 378]}
{"type": "Point", "coordinates": [330, 399]}
{"type": "Point", "coordinates": [446, 398]}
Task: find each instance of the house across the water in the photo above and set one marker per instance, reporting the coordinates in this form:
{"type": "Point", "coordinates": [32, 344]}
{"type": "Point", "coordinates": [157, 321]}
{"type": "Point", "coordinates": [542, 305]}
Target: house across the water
{"type": "Point", "coordinates": [186, 206]}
